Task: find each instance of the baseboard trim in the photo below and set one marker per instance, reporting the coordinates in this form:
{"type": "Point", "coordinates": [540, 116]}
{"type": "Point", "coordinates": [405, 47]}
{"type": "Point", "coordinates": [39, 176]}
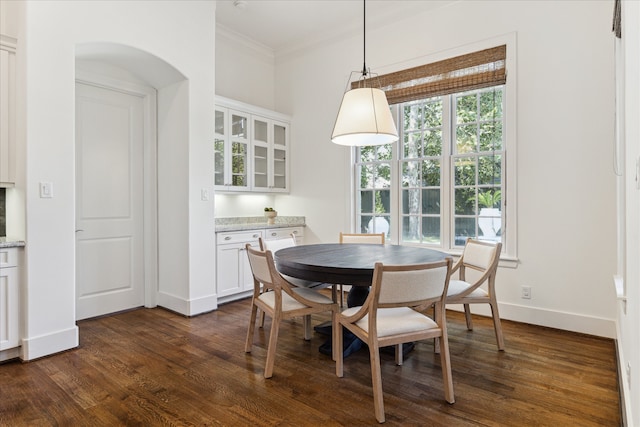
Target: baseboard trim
{"type": "Point", "coordinates": [186, 307]}
{"type": "Point", "coordinates": [45, 345]}
{"type": "Point", "coordinates": [573, 322]}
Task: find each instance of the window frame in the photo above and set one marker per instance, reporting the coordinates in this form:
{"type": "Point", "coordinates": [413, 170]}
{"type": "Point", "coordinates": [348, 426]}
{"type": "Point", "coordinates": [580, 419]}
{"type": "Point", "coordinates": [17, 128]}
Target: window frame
{"type": "Point", "coordinates": [509, 256]}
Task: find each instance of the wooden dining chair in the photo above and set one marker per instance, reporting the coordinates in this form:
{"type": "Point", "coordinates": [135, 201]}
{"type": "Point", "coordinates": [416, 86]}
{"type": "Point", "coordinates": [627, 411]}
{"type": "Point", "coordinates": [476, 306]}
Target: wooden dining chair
{"type": "Point", "coordinates": [372, 239]}
{"type": "Point", "coordinates": [392, 315]}
{"type": "Point", "coordinates": [285, 301]}
{"type": "Point", "coordinates": [481, 257]}
{"type": "Point", "coordinates": [275, 245]}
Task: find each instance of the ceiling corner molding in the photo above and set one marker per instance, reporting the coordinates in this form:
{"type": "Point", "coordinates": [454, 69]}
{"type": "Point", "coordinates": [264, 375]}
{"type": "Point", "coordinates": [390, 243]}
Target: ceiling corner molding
{"type": "Point", "coordinates": [245, 41]}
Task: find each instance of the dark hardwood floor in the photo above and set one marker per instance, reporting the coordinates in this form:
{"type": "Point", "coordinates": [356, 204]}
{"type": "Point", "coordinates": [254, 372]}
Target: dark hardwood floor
{"type": "Point", "coordinates": [152, 367]}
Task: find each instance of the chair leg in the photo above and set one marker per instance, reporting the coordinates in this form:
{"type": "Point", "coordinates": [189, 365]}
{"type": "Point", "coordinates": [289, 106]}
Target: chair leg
{"type": "Point", "coordinates": [334, 337]}
{"type": "Point", "coordinates": [436, 318]}
{"type": "Point", "coordinates": [337, 346]}
{"type": "Point", "coordinates": [376, 379]}
{"type": "Point", "coordinates": [306, 324]}
{"type": "Point", "coordinates": [271, 350]}
{"type": "Point", "coordinates": [261, 319]}
{"type": "Point", "coordinates": [252, 324]}
{"type": "Point", "coordinates": [467, 316]}
{"type": "Point", "coordinates": [497, 326]}
{"type": "Point", "coordinates": [445, 361]}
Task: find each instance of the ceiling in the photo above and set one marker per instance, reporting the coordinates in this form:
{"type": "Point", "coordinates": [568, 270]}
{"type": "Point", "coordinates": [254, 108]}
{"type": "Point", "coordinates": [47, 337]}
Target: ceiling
{"type": "Point", "coordinates": [286, 25]}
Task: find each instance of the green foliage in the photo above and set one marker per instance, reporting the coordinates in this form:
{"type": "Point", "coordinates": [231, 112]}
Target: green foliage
{"type": "Point", "coordinates": [489, 199]}
{"type": "Point", "coordinates": [269, 210]}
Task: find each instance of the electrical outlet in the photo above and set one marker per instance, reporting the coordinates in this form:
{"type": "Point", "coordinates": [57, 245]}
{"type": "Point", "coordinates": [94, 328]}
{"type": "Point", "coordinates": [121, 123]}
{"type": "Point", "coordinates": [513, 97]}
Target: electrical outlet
{"type": "Point", "coordinates": [526, 292]}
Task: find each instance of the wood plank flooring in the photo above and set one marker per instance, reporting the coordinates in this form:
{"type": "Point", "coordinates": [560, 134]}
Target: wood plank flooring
{"type": "Point", "coordinates": [152, 367]}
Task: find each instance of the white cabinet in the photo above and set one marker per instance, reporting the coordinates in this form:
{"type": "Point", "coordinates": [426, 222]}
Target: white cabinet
{"type": "Point", "coordinates": [233, 277]}
{"type": "Point", "coordinates": [9, 300]}
{"type": "Point", "coordinates": [279, 233]}
{"type": "Point", "coordinates": [251, 148]}
{"type": "Point", "coordinates": [7, 111]}
{"type": "Point", "coordinates": [270, 145]}
{"type": "Point", "coordinates": [231, 150]}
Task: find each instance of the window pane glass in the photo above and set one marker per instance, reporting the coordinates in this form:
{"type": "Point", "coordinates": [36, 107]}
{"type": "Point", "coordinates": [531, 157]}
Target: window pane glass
{"type": "Point", "coordinates": [385, 152]}
{"type": "Point", "coordinates": [489, 170]}
{"type": "Point", "coordinates": [366, 176]}
{"type": "Point", "coordinates": [464, 227]}
{"type": "Point", "coordinates": [431, 173]}
{"type": "Point", "coordinates": [412, 145]}
{"type": "Point", "coordinates": [433, 140]}
{"type": "Point", "coordinates": [411, 174]}
{"type": "Point", "coordinates": [411, 229]}
{"type": "Point", "coordinates": [466, 108]}
{"type": "Point", "coordinates": [433, 113]}
{"type": "Point", "coordinates": [412, 117]}
{"type": "Point", "coordinates": [379, 224]}
{"type": "Point", "coordinates": [366, 201]}
{"type": "Point", "coordinates": [367, 154]}
{"type": "Point", "coordinates": [431, 230]}
{"type": "Point", "coordinates": [491, 104]}
{"type": "Point", "coordinates": [466, 138]}
{"type": "Point", "coordinates": [465, 201]}
{"type": "Point", "coordinates": [383, 176]}
{"type": "Point", "coordinates": [364, 220]}
{"type": "Point", "coordinates": [431, 201]}
{"type": "Point", "coordinates": [383, 201]}
{"type": "Point", "coordinates": [411, 201]}
{"type": "Point", "coordinates": [465, 171]}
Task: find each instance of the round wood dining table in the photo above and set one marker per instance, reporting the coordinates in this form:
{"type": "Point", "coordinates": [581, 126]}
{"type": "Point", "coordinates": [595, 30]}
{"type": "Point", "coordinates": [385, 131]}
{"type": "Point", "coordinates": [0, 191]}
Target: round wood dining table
{"type": "Point", "coordinates": [348, 263]}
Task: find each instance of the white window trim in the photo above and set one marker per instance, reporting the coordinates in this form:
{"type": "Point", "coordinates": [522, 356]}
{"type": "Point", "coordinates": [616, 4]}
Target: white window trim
{"type": "Point", "coordinates": [509, 257]}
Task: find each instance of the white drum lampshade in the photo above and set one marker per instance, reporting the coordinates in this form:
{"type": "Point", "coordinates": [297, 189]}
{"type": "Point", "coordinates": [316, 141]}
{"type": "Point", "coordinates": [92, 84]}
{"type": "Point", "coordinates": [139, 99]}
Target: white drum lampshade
{"type": "Point", "coordinates": [364, 119]}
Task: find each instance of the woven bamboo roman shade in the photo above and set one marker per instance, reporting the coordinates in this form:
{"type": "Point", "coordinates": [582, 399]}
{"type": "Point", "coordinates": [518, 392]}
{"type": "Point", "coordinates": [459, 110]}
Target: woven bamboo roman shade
{"type": "Point", "coordinates": [466, 72]}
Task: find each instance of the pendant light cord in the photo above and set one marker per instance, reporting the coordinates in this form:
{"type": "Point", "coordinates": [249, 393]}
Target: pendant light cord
{"type": "Point", "coordinates": [364, 39]}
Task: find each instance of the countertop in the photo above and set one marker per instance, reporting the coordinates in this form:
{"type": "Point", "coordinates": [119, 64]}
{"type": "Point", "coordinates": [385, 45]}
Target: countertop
{"type": "Point", "coordinates": [257, 223]}
{"type": "Point", "coordinates": [7, 242]}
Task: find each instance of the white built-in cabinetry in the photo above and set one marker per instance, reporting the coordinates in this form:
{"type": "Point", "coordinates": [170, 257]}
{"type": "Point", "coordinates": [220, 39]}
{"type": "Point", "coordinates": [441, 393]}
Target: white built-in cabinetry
{"type": "Point", "coordinates": [233, 277]}
{"type": "Point", "coordinates": [251, 148]}
{"type": "Point", "coordinates": [7, 110]}
{"type": "Point", "coordinates": [9, 302]}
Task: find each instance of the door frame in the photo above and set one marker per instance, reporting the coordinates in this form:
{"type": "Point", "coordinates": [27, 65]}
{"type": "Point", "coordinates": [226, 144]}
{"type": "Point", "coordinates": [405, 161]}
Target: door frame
{"type": "Point", "coordinates": [150, 173]}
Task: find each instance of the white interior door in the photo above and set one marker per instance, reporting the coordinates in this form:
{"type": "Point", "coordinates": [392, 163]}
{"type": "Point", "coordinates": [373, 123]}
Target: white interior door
{"type": "Point", "coordinates": [109, 201]}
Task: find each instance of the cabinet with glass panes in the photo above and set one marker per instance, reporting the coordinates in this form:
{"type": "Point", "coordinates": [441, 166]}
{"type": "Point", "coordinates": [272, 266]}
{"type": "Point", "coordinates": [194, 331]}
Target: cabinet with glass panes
{"type": "Point", "coordinates": [251, 148]}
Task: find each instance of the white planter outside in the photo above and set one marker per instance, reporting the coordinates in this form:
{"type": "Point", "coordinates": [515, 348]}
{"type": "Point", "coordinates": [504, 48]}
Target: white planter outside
{"type": "Point", "coordinates": [490, 221]}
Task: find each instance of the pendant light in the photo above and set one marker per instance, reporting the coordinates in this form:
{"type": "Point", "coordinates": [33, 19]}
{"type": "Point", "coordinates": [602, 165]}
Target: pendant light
{"type": "Point", "coordinates": [364, 117]}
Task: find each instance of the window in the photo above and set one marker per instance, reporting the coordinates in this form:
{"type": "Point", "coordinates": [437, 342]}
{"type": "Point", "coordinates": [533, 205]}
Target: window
{"type": "Point", "coordinates": [444, 180]}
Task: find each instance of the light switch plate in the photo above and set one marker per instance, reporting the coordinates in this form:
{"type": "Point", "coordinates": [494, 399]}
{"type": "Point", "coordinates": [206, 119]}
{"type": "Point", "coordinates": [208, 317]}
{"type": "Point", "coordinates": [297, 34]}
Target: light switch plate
{"type": "Point", "coordinates": [46, 190]}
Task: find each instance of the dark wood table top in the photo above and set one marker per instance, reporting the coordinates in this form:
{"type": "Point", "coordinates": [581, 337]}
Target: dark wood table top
{"type": "Point", "coordinates": [349, 263]}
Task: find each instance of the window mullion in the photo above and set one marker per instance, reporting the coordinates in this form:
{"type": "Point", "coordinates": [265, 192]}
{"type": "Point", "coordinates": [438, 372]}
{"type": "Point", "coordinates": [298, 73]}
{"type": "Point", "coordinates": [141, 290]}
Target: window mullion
{"type": "Point", "coordinates": [447, 180]}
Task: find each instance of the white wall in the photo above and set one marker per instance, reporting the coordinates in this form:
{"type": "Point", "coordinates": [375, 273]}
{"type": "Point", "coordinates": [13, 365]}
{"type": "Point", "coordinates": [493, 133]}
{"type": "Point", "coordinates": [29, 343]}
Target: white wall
{"type": "Point", "coordinates": [629, 302]}
{"type": "Point", "coordinates": [182, 33]}
{"type": "Point", "coordinates": [566, 185]}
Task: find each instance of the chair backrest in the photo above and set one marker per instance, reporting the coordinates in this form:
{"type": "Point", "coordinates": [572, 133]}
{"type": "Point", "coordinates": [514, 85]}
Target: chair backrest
{"type": "Point", "coordinates": [481, 255]}
{"type": "Point", "coordinates": [362, 238]}
{"type": "Point", "coordinates": [260, 268]}
{"type": "Point", "coordinates": [410, 285]}
{"type": "Point", "coordinates": [274, 245]}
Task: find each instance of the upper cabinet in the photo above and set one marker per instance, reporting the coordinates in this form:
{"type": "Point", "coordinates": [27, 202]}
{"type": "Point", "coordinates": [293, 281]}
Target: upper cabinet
{"type": "Point", "coordinates": [231, 148]}
{"type": "Point", "coordinates": [270, 148]}
{"type": "Point", "coordinates": [7, 111]}
{"type": "Point", "coordinates": [251, 148]}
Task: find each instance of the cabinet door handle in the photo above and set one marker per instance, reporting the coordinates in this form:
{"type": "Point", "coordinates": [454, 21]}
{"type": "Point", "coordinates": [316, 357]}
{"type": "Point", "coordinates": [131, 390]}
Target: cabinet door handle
{"type": "Point", "coordinates": [227, 238]}
{"type": "Point", "coordinates": [295, 231]}
{"type": "Point", "coordinates": [274, 234]}
{"type": "Point", "coordinates": [79, 230]}
{"type": "Point", "coordinates": [255, 236]}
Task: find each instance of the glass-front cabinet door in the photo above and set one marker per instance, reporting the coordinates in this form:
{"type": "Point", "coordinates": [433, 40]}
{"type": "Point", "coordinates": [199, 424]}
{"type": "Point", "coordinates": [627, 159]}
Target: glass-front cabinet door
{"type": "Point", "coordinates": [270, 151]}
{"type": "Point", "coordinates": [262, 156]}
{"type": "Point", "coordinates": [231, 150]}
{"type": "Point", "coordinates": [280, 151]}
